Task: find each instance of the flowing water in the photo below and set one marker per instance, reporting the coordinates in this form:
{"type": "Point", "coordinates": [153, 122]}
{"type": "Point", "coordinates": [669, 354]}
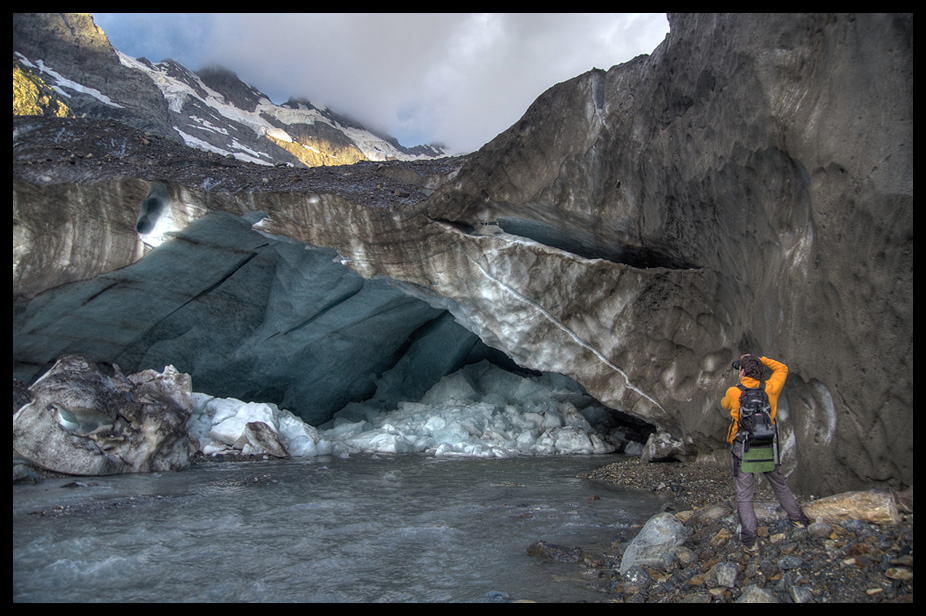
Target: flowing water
{"type": "Point", "coordinates": [361, 529]}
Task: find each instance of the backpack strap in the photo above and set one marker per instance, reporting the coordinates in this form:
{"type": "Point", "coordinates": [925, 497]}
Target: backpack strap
{"type": "Point", "coordinates": [743, 388]}
{"type": "Point", "coordinates": [733, 430]}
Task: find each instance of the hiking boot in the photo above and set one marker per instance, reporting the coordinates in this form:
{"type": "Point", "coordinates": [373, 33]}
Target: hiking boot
{"type": "Point", "coordinates": [800, 523]}
{"type": "Point", "coordinates": [751, 548]}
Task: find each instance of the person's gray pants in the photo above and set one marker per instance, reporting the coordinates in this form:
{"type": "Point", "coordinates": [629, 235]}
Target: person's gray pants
{"type": "Point", "coordinates": [746, 489]}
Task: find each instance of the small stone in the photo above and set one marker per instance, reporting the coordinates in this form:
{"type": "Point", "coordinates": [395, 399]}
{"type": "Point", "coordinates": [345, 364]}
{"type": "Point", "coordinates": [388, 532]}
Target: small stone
{"type": "Point", "coordinates": [720, 538]}
{"type": "Point", "coordinates": [554, 552]}
{"type": "Point", "coordinates": [697, 580]}
{"type": "Point", "coordinates": [790, 562]}
{"type": "Point", "coordinates": [637, 580]}
{"type": "Point", "coordinates": [899, 573]}
{"type": "Point", "coordinates": [788, 548]}
{"type": "Point", "coordinates": [820, 530]}
{"type": "Point", "coordinates": [800, 594]}
{"type": "Point", "coordinates": [726, 573]}
{"type": "Point", "coordinates": [686, 557]}
{"type": "Point", "coordinates": [754, 594]}
{"type": "Point", "coordinates": [712, 513]}
{"type": "Point", "coordinates": [904, 561]}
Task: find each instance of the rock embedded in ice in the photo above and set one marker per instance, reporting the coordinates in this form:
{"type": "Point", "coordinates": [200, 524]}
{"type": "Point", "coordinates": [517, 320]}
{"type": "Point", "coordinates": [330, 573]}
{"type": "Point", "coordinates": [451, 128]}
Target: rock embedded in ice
{"type": "Point", "coordinates": [81, 421]}
{"type": "Point", "coordinates": [259, 438]}
{"type": "Point", "coordinates": [230, 421]}
{"type": "Point", "coordinates": [221, 425]}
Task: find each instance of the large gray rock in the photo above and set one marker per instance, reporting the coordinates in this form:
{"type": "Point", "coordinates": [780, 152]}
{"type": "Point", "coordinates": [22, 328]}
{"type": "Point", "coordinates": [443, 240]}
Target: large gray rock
{"type": "Point", "coordinates": [656, 544]}
{"type": "Point", "coordinates": [661, 447]}
{"type": "Point", "coordinates": [81, 421]}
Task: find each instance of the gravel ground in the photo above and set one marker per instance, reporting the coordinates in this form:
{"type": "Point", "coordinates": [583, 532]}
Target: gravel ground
{"type": "Point", "coordinates": [849, 562]}
{"type": "Point", "coordinates": [56, 150]}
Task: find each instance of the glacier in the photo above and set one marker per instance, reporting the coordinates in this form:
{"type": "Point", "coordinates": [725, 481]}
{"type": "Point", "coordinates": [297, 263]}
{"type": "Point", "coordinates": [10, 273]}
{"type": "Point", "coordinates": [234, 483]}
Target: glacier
{"type": "Point", "coordinates": [480, 411]}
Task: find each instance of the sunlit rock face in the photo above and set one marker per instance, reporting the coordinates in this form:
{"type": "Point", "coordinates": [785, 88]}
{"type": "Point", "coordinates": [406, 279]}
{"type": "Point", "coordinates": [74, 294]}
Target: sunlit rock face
{"type": "Point", "coordinates": [745, 188]}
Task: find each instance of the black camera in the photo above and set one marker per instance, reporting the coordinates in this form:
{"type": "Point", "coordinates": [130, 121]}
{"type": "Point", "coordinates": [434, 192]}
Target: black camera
{"type": "Point", "coordinates": [737, 364]}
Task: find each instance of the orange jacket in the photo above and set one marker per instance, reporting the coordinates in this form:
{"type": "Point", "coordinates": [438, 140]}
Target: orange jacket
{"type": "Point", "coordinates": [773, 387]}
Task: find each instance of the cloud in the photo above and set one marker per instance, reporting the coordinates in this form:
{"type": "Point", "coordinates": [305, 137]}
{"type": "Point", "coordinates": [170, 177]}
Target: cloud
{"type": "Point", "coordinates": [458, 79]}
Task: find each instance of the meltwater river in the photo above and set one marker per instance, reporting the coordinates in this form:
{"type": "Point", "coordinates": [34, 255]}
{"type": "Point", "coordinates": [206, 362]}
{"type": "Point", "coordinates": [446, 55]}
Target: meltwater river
{"type": "Point", "coordinates": [404, 528]}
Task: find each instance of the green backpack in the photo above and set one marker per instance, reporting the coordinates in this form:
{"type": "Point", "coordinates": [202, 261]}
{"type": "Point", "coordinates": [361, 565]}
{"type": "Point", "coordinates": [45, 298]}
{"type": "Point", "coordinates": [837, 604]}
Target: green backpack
{"type": "Point", "coordinates": [760, 459]}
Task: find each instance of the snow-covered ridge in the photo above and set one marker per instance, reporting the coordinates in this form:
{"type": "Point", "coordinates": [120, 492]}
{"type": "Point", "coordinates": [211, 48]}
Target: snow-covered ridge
{"type": "Point", "coordinates": [179, 92]}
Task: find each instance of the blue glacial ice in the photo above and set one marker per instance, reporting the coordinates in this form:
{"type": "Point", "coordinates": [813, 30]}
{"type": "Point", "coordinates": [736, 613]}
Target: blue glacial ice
{"type": "Point", "coordinates": [479, 411]}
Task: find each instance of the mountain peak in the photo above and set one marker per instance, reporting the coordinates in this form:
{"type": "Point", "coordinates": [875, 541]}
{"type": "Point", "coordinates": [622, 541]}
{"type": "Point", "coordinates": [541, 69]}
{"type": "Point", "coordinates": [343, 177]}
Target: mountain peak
{"type": "Point", "coordinates": [235, 91]}
{"type": "Point", "coordinates": [77, 30]}
{"type": "Point", "coordinates": [211, 109]}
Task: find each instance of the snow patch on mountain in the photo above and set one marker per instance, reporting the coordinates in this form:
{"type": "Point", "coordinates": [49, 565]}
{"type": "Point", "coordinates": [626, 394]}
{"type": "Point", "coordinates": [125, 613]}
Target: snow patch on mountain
{"type": "Point", "coordinates": [58, 82]}
{"type": "Point", "coordinates": [186, 88]}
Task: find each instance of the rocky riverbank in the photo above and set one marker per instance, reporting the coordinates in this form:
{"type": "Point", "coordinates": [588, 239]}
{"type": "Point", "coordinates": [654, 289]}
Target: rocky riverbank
{"type": "Point", "coordinates": [852, 561]}
{"type": "Point", "coordinates": [848, 561]}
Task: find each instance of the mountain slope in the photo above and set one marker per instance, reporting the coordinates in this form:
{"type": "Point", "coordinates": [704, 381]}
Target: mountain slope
{"type": "Point", "coordinates": [210, 110]}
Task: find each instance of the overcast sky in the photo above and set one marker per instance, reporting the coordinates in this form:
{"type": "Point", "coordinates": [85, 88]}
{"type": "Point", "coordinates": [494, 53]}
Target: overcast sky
{"type": "Point", "coordinates": [456, 79]}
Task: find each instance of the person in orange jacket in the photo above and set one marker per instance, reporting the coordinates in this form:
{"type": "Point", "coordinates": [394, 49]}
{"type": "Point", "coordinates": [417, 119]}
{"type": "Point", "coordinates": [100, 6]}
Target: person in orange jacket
{"type": "Point", "coordinates": [750, 372]}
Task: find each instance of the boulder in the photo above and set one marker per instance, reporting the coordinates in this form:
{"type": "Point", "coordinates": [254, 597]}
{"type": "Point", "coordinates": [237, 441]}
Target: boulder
{"type": "Point", "coordinates": [874, 506]}
{"type": "Point", "coordinates": [661, 446]}
{"type": "Point", "coordinates": [81, 421]}
{"type": "Point", "coordinates": [656, 544]}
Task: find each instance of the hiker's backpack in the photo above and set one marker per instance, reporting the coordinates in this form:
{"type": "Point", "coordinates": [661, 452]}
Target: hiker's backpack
{"type": "Point", "coordinates": [756, 417]}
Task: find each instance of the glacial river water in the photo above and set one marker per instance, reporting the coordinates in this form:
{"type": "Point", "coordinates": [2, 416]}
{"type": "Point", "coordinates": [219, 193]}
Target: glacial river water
{"type": "Point", "coordinates": [361, 529]}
